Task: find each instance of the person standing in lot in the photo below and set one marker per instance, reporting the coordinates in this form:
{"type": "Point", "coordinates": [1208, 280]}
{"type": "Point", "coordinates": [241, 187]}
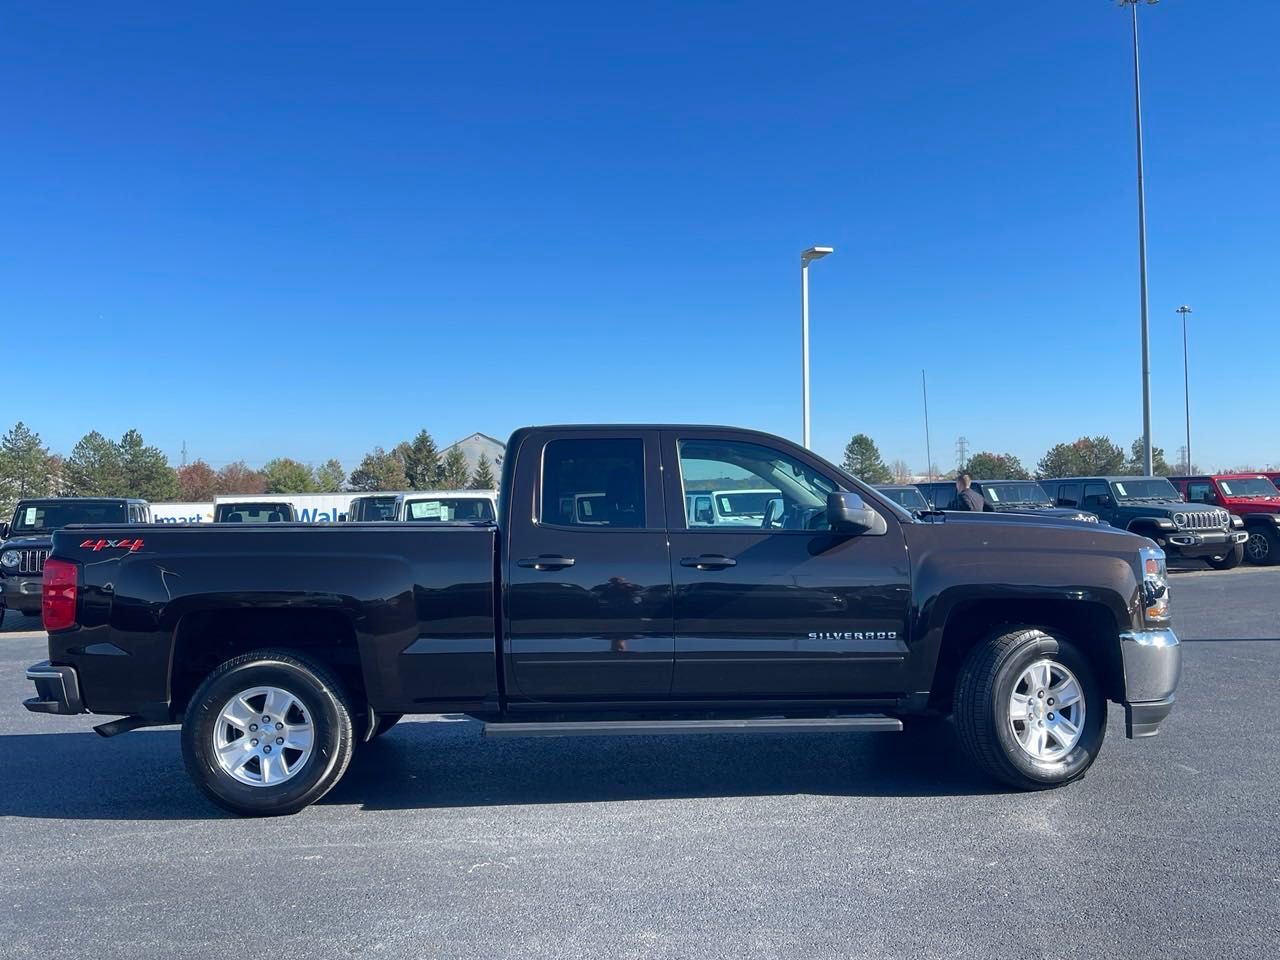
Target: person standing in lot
{"type": "Point", "coordinates": [968, 498]}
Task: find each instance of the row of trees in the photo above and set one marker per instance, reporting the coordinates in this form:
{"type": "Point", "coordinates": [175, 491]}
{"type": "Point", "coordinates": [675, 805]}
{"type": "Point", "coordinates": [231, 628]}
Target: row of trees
{"type": "Point", "coordinates": [129, 467]}
{"type": "Point", "coordinates": [1088, 456]}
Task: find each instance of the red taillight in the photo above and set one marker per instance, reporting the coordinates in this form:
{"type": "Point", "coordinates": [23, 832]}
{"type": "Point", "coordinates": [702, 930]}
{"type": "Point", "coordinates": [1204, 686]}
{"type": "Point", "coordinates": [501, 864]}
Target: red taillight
{"type": "Point", "coordinates": [61, 578]}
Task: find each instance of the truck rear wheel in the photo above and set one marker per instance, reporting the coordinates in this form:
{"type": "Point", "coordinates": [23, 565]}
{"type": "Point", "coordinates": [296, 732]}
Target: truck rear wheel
{"type": "Point", "coordinates": [1029, 709]}
{"type": "Point", "coordinates": [1229, 560]}
{"type": "Point", "coordinates": [1263, 547]}
{"type": "Point", "coordinates": [267, 733]}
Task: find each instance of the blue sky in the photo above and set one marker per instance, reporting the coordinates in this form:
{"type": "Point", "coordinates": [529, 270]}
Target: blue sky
{"type": "Point", "coordinates": [306, 229]}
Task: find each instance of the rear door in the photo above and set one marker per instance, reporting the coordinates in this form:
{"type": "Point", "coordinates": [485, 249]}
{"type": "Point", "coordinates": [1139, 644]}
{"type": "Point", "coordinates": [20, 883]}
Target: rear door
{"type": "Point", "coordinates": [588, 594]}
{"type": "Point", "coordinates": [787, 609]}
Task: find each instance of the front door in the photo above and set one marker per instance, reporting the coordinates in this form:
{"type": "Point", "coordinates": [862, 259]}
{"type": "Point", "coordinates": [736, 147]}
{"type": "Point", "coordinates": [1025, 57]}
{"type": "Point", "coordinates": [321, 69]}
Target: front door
{"type": "Point", "coordinates": [588, 575]}
{"type": "Point", "coordinates": [778, 605]}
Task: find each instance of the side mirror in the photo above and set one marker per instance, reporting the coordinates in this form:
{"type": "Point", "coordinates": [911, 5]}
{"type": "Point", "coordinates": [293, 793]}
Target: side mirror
{"type": "Point", "coordinates": [4, 529]}
{"type": "Point", "coordinates": [1106, 501]}
{"type": "Point", "coordinates": [703, 515]}
{"type": "Point", "coordinates": [849, 513]}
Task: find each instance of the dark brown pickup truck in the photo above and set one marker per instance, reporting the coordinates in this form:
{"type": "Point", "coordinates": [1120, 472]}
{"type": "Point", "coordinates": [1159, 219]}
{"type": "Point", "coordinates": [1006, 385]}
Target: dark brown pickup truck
{"type": "Point", "coordinates": [281, 647]}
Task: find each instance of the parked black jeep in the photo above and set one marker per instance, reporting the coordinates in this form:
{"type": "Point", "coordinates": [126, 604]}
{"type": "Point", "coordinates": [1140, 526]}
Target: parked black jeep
{"type": "Point", "coordinates": [25, 540]}
{"type": "Point", "coordinates": [905, 495]}
{"type": "Point", "coordinates": [1152, 507]}
{"type": "Point", "coordinates": [1005, 496]}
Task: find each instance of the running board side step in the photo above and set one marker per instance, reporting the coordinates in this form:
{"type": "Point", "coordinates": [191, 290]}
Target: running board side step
{"type": "Point", "coordinates": [631, 728]}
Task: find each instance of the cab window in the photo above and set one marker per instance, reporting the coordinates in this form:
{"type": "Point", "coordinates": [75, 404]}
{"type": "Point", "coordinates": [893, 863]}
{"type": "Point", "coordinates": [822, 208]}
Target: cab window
{"type": "Point", "coordinates": [594, 483]}
{"type": "Point", "coordinates": [1094, 495]}
{"type": "Point", "coordinates": [784, 494]}
{"type": "Point", "coordinates": [1068, 495]}
{"type": "Point", "coordinates": [1199, 491]}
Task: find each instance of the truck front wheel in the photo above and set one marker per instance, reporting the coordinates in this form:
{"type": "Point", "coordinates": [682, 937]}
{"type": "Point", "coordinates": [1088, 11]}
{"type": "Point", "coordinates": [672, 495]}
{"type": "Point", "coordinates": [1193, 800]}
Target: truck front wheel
{"type": "Point", "coordinates": [1029, 709]}
{"type": "Point", "coordinates": [267, 733]}
{"type": "Point", "coordinates": [1263, 547]}
{"type": "Point", "coordinates": [1229, 560]}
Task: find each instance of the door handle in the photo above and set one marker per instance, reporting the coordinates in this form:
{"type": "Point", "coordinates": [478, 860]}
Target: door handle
{"type": "Point", "coordinates": [546, 562]}
{"type": "Point", "coordinates": [709, 561]}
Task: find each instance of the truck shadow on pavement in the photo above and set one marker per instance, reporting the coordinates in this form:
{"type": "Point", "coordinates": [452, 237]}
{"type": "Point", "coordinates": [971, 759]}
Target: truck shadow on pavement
{"type": "Point", "coordinates": [425, 765]}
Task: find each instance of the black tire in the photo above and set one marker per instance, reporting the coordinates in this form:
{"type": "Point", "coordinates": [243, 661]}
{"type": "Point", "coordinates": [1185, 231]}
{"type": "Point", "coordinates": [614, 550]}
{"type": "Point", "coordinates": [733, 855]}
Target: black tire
{"type": "Point", "coordinates": [1229, 560]}
{"type": "Point", "coordinates": [1263, 546]}
{"type": "Point", "coordinates": [330, 716]}
{"type": "Point", "coordinates": [984, 689]}
{"type": "Point", "coordinates": [385, 722]}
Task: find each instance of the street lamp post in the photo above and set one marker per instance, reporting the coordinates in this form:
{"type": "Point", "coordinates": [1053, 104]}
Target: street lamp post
{"type": "Point", "coordinates": [1142, 247]}
{"type": "Point", "coordinates": [808, 256]}
{"type": "Point", "coordinates": [1186, 379]}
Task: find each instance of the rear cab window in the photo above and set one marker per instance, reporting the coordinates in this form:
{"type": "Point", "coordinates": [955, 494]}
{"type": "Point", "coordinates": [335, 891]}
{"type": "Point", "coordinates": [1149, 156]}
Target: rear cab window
{"type": "Point", "coordinates": [594, 482]}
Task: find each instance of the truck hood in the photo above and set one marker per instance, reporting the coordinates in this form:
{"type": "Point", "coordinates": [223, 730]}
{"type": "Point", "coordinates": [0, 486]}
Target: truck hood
{"type": "Point", "coordinates": [1243, 505]}
{"type": "Point", "coordinates": [1044, 518]}
{"type": "Point", "coordinates": [39, 541]}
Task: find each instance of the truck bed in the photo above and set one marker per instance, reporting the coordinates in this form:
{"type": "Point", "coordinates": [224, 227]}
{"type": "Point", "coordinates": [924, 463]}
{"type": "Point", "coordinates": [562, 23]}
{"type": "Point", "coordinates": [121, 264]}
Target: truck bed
{"type": "Point", "coordinates": [413, 606]}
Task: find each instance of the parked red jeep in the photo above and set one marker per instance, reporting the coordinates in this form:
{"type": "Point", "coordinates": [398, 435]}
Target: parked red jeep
{"type": "Point", "coordinates": [1250, 496]}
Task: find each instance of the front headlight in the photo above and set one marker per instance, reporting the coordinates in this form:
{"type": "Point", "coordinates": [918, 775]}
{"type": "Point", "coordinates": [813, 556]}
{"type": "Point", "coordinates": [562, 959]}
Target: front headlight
{"type": "Point", "coordinates": [1155, 585]}
{"type": "Point", "coordinates": [10, 558]}
{"type": "Point", "coordinates": [1180, 519]}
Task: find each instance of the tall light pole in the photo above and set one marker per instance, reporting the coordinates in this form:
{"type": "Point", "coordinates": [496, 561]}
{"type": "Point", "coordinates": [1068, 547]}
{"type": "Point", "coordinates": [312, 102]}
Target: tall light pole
{"type": "Point", "coordinates": [807, 257]}
{"type": "Point", "coordinates": [1142, 247]}
{"type": "Point", "coordinates": [1186, 378]}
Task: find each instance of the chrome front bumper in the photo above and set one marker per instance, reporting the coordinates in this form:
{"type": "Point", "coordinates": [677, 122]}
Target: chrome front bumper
{"type": "Point", "coordinates": [1152, 666]}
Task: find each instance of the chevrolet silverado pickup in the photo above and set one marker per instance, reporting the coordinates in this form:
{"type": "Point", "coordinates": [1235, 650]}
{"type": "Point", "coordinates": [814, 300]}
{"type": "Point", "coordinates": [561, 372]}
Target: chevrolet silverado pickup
{"type": "Point", "coordinates": [281, 647]}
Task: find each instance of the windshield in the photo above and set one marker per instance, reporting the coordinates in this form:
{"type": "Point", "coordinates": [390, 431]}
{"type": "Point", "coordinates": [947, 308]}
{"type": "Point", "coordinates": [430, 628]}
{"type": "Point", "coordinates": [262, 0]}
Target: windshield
{"type": "Point", "coordinates": [1145, 488]}
{"type": "Point", "coordinates": [444, 509]}
{"type": "Point", "coordinates": [36, 517]}
{"type": "Point", "coordinates": [1015, 493]}
{"type": "Point", "coordinates": [908, 497]}
{"type": "Point", "coordinates": [374, 508]}
{"type": "Point", "coordinates": [744, 503]}
{"type": "Point", "coordinates": [253, 513]}
{"type": "Point", "coordinates": [1249, 487]}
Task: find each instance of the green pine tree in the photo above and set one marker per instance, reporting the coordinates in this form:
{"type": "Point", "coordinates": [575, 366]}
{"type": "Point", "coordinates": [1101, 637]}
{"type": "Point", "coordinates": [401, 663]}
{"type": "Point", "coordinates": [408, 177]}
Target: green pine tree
{"type": "Point", "coordinates": [93, 469]}
{"type": "Point", "coordinates": [330, 477]}
{"type": "Point", "coordinates": [421, 462]}
{"type": "Point", "coordinates": [862, 459]}
{"type": "Point", "coordinates": [454, 473]}
{"type": "Point", "coordinates": [25, 467]}
{"type": "Point", "coordinates": [482, 478]}
{"type": "Point", "coordinates": [145, 471]}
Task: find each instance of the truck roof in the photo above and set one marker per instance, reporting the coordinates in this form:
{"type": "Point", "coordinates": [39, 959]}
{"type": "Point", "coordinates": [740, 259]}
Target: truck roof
{"type": "Point", "coordinates": [138, 500]}
{"type": "Point", "coordinates": [1260, 474]}
{"type": "Point", "coordinates": [1113, 478]}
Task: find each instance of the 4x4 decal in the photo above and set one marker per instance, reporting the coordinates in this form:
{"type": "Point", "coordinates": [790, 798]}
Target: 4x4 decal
{"type": "Point", "coordinates": [133, 546]}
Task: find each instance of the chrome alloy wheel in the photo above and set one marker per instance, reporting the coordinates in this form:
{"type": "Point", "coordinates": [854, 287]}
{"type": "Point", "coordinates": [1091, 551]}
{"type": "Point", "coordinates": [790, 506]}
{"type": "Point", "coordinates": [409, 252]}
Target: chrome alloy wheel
{"type": "Point", "coordinates": [1046, 711]}
{"type": "Point", "coordinates": [263, 736]}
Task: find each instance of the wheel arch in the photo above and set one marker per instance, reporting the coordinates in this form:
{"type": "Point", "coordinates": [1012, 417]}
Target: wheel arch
{"type": "Point", "coordinates": [1090, 625]}
{"type": "Point", "coordinates": [205, 638]}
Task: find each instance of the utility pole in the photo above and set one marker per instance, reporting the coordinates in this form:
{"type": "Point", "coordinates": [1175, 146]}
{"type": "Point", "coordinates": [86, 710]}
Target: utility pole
{"type": "Point", "coordinates": [962, 453]}
{"type": "Point", "coordinates": [1186, 379]}
{"type": "Point", "coordinates": [184, 453]}
{"type": "Point", "coordinates": [928, 450]}
{"type": "Point", "coordinates": [806, 257]}
{"type": "Point", "coordinates": [1142, 247]}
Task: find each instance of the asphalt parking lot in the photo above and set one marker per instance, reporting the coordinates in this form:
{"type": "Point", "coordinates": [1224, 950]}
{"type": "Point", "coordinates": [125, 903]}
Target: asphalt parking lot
{"type": "Point", "coordinates": [439, 844]}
